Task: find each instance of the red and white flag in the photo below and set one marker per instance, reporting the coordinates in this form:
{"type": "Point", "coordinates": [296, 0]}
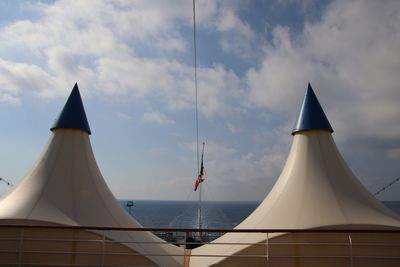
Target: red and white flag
{"type": "Point", "coordinates": [202, 175]}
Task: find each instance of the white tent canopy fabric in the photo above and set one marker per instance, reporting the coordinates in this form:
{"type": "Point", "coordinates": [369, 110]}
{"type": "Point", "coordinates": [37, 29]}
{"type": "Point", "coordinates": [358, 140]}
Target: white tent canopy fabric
{"type": "Point", "coordinates": [316, 189]}
{"type": "Point", "coordinates": [66, 187]}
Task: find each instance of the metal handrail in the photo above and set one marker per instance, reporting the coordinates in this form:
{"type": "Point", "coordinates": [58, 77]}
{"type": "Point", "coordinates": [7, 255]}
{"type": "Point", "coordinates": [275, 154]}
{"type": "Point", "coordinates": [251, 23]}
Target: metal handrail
{"type": "Point", "coordinates": [20, 238]}
{"type": "Point", "coordinates": [202, 230]}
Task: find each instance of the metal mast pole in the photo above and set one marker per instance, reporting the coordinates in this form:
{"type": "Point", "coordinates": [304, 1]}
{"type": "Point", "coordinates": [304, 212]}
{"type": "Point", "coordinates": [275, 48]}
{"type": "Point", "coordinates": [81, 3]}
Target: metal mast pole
{"type": "Point", "coordinates": [200, 192]}
{"type": "Point", "coordinates": [199, 211]}
{"type": "Point", "coordinates": [197, 115]}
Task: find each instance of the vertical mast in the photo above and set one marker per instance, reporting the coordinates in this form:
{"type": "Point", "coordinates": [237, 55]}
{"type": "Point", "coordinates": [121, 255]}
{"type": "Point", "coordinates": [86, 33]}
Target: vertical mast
{"type": "Point", "coordinates": [197, 116]}
{"type": "Point", "coordinates": [199, 211]}
{"type": "Point", "coordinates": [200, 176]}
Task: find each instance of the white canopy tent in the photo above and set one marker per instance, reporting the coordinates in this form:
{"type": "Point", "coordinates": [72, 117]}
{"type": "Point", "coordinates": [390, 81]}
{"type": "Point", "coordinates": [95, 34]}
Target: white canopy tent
{"type": "Point", "coordinates": [65, 187]}
{"type": "Point", "coordinates": [315, 190]}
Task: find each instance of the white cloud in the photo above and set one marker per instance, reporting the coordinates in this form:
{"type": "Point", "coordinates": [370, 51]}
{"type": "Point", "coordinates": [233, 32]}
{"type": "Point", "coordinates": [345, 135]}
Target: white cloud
{"type": "Point", "coordinates": [233, 175]}
{"type": "Point", "coordinates": [220, 91]}
{"type": "Point", "coordinates": [95, 44]}
{"type": "Point", "coordinates": [233, 128]}
{"type": "Point", "coordinates": [351, 58]}
{"type": "Point", "coordinates": [394, 153]}
{"type": "Point", "coordinates": [10, 99]}
{"type": "Point", "coordinates": [124, 116]}
{"type": "Point", "coordinates": [156, 117]}
{"type": "Point", "coordinates": [171, 82]}
{"type": "Point", "coordinates": [153, 22]}
{"type": "Point", "coordinates": [238, 35]}
{"type": "Point", "coordinates": [18, 78]}
{"type": "Point", "coordinates": [214, 151]}
{"type": "Point", "coordinates": [245, 177]}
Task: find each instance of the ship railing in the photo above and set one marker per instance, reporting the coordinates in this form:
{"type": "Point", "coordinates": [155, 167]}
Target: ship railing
{"type": "Point", "coordinates": [57, 245]}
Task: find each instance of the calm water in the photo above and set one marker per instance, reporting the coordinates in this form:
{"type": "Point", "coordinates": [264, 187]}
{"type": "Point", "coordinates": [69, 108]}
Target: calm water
{"type": "Point", "coordinates": [183, 214]}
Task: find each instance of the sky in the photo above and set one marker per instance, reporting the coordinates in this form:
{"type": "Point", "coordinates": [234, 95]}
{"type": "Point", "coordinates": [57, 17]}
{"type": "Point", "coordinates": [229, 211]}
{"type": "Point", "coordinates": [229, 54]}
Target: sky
{"type": "Point", "coordinates": [133, 62]}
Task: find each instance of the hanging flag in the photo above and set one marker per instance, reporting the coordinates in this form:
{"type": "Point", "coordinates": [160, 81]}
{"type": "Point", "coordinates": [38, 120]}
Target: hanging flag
{"type": "Point", "coordinates": [202, 174]}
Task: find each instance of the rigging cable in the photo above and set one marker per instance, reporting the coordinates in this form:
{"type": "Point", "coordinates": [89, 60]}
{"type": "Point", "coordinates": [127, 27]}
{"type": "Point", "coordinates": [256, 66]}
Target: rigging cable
{"type": "Point", "coordinates": [195, 83]}
{"type": "Point", "coordinates": [387, 186]}
{"type": "Point", "coordinates": [197, 110]}
{"type": "Point", "coordinates": [5, 181]}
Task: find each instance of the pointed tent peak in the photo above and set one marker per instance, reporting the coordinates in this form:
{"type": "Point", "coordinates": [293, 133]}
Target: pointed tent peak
{"type": "Point", "coordinates": [311, 116]}
{"type": "Point", "coordinates": [73, 114]}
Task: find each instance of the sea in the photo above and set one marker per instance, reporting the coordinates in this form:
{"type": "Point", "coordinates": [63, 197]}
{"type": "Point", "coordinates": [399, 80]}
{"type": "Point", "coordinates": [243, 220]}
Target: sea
{"type": "Point", "coordinates": [183, 214]}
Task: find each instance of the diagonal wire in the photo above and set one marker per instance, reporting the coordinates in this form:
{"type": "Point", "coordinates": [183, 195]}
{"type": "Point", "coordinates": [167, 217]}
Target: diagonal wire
{"type": "Point", "coordinates": [387, 186]}
{"type": "Point", "coordinates": [5, 181]}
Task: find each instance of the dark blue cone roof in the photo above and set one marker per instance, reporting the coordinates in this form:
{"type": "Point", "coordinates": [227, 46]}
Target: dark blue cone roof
{"type": "Point", "coordinates": [311, 116]}
{"type": "Point", "coordinates": [73, 114]}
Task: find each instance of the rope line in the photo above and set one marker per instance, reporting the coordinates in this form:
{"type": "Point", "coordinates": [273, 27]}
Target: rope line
{"type": "Point", "coordinates": [6, 182]}
{"type": "Point", "coordinates": [195, 83]}
{"type": "Point", "coordinates": [387, 186]}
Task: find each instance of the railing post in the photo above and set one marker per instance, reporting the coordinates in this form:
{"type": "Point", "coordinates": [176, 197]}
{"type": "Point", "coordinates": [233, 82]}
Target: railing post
{"type": "Point", "coordinates": [267, 252]}
{"type": "Point", "coordinates": [184, 249]}
{"type": "Point", "coordinates": [20, 249]}
{"type": "Point", "coordinates": [351, 250]}
{"type": "Point", "coordinates": [103, 249]}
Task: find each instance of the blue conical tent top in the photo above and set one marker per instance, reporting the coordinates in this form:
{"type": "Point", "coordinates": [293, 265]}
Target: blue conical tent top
{"type": "Point", "coordinates": [311, 116]}
{"type": "Point", "coordinates": [73, 114]}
